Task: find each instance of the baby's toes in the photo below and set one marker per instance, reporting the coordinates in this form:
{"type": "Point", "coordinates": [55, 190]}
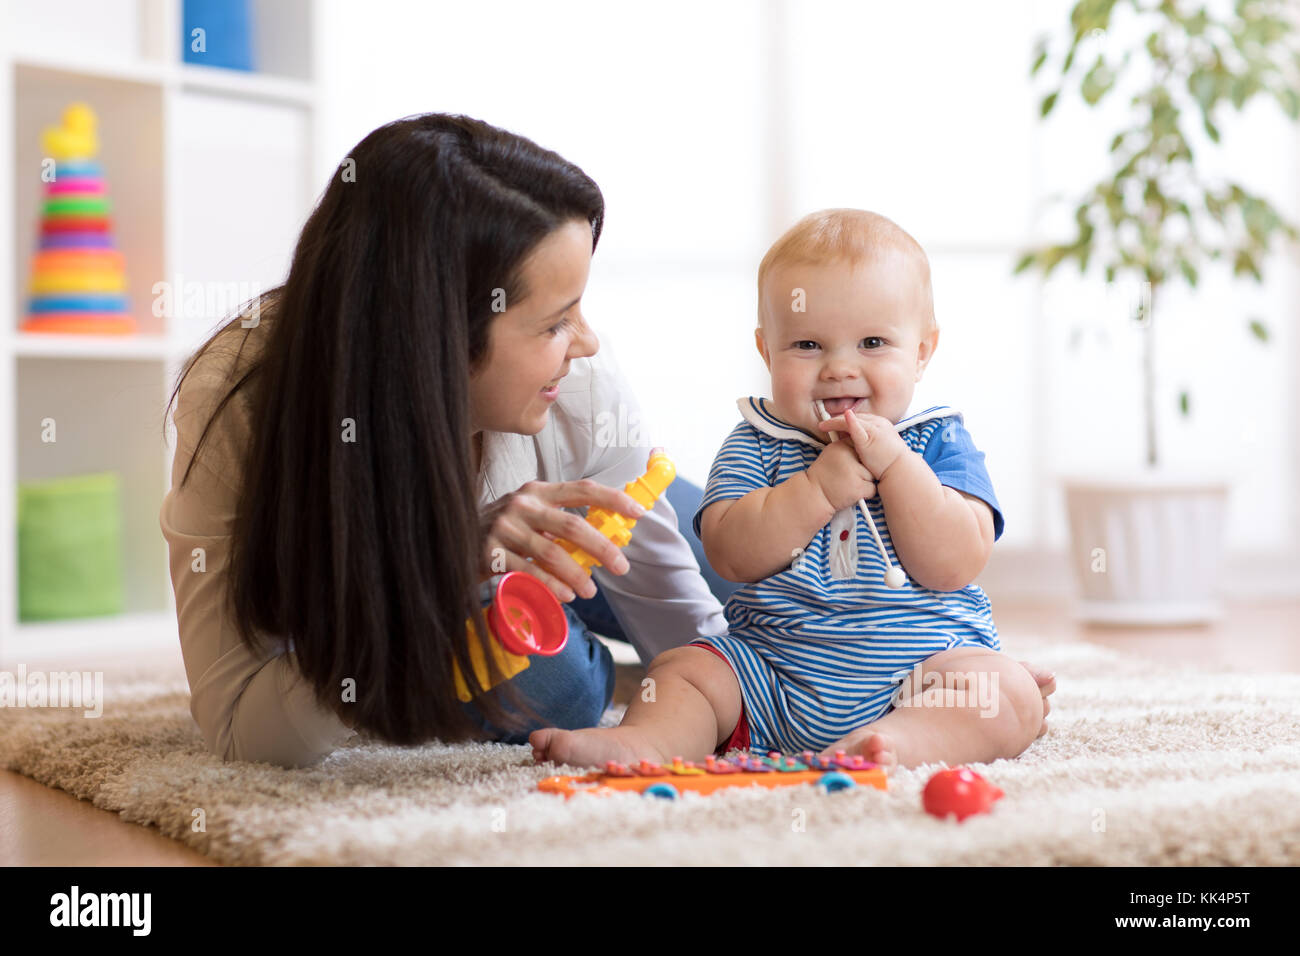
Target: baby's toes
{"type": "Point", "coordinates": [1045, 680]}
{"type": "Point", "coordinates": [880, 749]}
{"type": "Point", "coordinates": [541, 741]}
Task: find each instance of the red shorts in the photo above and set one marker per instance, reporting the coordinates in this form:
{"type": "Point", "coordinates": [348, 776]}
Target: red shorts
{"type": "Point", "coordinates": [739, 739]}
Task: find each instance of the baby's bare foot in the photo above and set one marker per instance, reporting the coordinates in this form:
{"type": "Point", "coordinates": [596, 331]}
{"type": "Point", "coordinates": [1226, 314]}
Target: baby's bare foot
{"type": "Point", "coordinates": [1046, 686]}
{"type": "Point", "coordinates": [879, 748]}
{"type": "Point", "coordinates": [871, 745]}
{"type": "Point", "coordinates": [594, 746]}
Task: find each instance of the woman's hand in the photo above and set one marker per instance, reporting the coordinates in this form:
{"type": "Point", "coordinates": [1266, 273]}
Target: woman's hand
{"type": "Point", "coordinates": [522, 529]}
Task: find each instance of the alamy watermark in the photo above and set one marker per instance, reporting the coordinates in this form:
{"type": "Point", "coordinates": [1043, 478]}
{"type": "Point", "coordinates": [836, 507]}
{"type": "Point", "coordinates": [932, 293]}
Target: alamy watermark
{"type": "Point", "coordinates": [75, 908]}
{"type": "Point", "coordinates": [950, 689]}
{"type": "Point", "coordinates": [179, 299]}
{"type": "Point", "coordinates": [83, 689]}
{"type": "Point", "coordinates": [620, 428]}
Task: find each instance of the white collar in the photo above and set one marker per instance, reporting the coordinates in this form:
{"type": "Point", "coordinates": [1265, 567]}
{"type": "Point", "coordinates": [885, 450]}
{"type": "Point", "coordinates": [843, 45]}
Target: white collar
{"type": "Point", "coordinates": [760, 413]}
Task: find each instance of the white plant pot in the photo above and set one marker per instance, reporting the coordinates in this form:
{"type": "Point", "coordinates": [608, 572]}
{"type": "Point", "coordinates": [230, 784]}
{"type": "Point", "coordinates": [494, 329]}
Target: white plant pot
{"type": "Point", "coordinates": [1147, 550]}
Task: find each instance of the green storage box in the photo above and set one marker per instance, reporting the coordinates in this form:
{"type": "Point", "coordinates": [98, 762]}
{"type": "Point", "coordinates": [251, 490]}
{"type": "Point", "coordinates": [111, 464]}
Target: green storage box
{"type": "Point", "coordinates": [70, 547]}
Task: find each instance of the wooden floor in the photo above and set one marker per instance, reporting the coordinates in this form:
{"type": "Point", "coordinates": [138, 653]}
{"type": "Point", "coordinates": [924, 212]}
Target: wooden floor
{"type": "Point", "coordinates": [40, 826]}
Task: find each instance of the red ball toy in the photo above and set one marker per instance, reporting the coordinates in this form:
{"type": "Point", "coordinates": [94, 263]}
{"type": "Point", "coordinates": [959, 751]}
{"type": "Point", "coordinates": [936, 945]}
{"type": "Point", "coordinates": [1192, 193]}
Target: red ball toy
{"type": "Point", "coordinates": [959, 792]}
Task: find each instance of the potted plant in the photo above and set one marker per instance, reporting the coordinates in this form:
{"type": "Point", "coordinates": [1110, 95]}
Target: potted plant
{"type": "Point", "coordinates": [1148, 549]}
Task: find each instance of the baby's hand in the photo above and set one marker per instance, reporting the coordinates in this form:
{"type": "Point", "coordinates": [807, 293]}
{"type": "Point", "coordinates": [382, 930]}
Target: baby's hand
{"type": "Point", "coordinates": [875, 438]}
{"type": "Point", "coordinates": [840, 476]}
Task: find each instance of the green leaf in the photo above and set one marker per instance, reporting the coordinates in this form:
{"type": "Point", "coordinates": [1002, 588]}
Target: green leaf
{"type": "Point", "coordinates": [1127, 169]}
{"type": "Point", "coordinates": [1048, 102]}
{"type": "Point", "coordinates": [1259, 219]}
{"type": "Point", "coordinates": [1185, 403]}
{"type": "Point", "coordinates": [1239, 91]}
{"type": "Point", "coordinates": [1244, 263]}
{"type": "Point", "coordinates": [1025, 262]}
{"type": "Point", "coordinates": [1211, 130]}
{"type": "Point", "coordinates": [1110, 193]}
{"type": "Point", "coordinates": [1089, 15]}
{"type": "Point", "coordinates": [1290, 101]}
{"type": "Point", "coordinates": [1097, 81]}
{"type": "Point", "coordinates": [1201, 84]}
{"type": "Point", "coordinates": [1164, 122]}
{"type": "Point", "coordinates": [1155, 199]}
{"type": "Point", "coordinates": [1040, 57]}
{"type": "Point", "coordinates": [1189, 272]}
{"type": "Point", "coordinates": [1115, 143]}
{"type": "Point", "coordinates": [1259, 330]}
{"type": "Point", "coordinates": [1079, 16]}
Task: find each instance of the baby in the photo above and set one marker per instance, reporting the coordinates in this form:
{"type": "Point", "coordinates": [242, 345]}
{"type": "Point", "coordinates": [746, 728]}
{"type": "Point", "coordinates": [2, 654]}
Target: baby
{"type": "Point", "coordinates": [821, 655]}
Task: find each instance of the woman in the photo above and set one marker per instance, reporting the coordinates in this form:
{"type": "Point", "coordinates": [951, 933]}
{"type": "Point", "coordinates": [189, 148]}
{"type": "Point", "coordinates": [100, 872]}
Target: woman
{"type": "Point", "coordinates": [408, 414]}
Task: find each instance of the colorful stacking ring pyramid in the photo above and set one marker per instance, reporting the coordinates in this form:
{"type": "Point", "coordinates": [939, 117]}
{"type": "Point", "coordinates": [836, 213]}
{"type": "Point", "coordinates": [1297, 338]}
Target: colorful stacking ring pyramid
{"type": "Point", "coordinates": [78, 276]}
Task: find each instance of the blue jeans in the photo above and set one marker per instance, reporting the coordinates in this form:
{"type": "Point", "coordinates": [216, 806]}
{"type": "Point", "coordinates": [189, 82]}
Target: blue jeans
{"type": "Point", "coordinates": [573, 689]}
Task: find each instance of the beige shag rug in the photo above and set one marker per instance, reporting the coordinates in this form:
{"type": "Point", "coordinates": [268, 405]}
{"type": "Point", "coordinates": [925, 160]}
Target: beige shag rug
{"type": "Point", "coordinates": [1143, 764]}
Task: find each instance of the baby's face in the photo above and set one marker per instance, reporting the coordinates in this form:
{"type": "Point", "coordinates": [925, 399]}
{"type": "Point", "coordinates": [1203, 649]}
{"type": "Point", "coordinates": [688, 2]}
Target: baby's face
{"type": "Point", "coordinates": [861, 343]}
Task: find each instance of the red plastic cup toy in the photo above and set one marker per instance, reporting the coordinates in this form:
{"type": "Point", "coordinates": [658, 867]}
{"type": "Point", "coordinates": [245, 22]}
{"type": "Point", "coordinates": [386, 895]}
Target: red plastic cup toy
{"type": "Point", "coordinates": [526, 617]}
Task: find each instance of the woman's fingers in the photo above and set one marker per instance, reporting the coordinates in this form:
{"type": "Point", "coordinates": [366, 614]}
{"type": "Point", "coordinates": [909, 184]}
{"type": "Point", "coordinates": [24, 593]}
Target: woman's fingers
{"type": "Point", "coordinates": [576, 529]}
{"type": "Point", "coordinates": [528, 524]}
{"type": "Point", "coordinates": [561, 590]}
{"type": "Point", "coordinates": [584, 493]}
{"type": "Point", "coordinates": [521, 527]}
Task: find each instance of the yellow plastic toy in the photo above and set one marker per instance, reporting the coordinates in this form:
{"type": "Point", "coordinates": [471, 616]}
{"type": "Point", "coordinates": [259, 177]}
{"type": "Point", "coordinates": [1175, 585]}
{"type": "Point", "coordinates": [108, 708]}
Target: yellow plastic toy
{"type": "Point", "coordinates": [75, 138]}
{"type": "Point", "coordinates": [525, 617]}
{"type": "Point", "coordinates": [645, 491]}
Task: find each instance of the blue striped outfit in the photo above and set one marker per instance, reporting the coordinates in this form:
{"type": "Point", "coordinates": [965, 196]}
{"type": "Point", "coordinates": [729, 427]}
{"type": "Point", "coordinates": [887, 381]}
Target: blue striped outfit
{"type": "Point", "coordinates": [820, 648]}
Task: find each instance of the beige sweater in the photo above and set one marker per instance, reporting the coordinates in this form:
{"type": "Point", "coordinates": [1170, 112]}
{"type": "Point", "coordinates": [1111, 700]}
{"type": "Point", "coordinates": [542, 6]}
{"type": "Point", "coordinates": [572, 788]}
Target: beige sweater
{"type": "Point", "coordinates": [259, 708]}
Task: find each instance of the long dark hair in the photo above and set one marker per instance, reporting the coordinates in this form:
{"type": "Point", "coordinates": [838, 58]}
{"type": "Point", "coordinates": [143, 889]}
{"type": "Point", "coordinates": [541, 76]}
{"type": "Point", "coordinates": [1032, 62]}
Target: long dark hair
{"type": "Point", "coordinates": [368, 553]}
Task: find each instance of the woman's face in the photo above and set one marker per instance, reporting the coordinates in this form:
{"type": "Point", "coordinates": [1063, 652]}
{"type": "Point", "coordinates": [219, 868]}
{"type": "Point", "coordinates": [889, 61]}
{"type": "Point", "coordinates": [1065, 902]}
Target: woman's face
{"type": "Point", "coordinates": [532, 342]}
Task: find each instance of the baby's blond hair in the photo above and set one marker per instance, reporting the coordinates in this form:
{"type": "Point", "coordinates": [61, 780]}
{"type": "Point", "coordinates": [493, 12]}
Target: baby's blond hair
{"type": "Point", "coordinates": [848, 235]}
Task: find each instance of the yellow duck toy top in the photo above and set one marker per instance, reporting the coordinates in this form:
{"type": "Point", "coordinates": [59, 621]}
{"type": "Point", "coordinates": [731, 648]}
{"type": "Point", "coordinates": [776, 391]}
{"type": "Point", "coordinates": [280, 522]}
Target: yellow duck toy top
{"type": "Point", "coordinates": [75, 138]}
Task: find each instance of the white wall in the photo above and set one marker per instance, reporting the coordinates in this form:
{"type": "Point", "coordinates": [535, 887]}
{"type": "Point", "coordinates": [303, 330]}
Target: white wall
{"type": "Point", "coordinates": [712, 127]}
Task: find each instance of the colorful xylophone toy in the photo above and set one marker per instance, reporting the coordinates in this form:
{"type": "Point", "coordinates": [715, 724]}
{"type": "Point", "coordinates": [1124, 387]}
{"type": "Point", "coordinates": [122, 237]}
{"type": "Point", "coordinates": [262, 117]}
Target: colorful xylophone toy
{"type": "Point", "coordinates": [78, 280]}
{"type": "Point", "coordinates": [742, 770]}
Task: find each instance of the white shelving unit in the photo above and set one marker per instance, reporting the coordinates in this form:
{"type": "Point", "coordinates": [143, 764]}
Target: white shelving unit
{"type": "Point", "coordinates": [210, 174]}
